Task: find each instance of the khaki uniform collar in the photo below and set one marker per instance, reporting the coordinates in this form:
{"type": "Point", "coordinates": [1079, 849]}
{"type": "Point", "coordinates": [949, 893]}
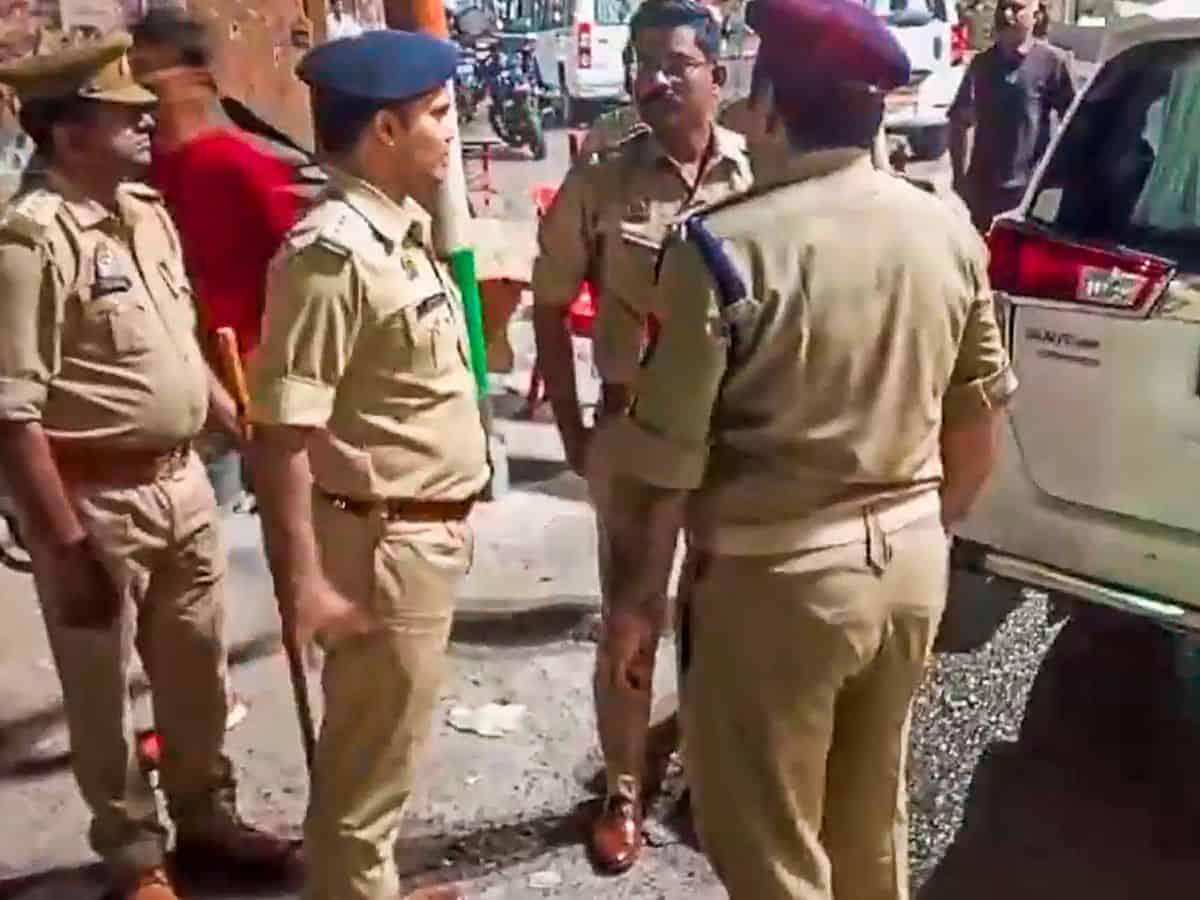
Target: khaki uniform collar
{"type": "Point", "coordinates": [794, 167]}
{"type": "Point", "coordinates": [392, 222]}
{"type": "Point", "coordinates": [87, 213]}
{"type": "Point", "coordinates": [83, 211]}
{"type": "Point", "coordinates": [724, 146]}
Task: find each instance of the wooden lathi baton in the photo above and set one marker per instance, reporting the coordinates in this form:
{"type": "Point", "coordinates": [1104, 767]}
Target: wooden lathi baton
{"type": "Point", "coordinates": [234, 377]}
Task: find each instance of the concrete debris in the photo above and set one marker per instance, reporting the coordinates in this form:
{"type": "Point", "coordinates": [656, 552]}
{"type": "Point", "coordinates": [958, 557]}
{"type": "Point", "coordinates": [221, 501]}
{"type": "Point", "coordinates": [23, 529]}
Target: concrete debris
{"type": "Point", "coordinates": [492, 720]}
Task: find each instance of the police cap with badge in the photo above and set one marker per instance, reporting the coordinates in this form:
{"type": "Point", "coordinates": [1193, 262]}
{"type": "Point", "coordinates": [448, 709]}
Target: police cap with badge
{"type": "Point", "coordinates": [380, 67]}
{"type": "Point", "coordinates": [97, 70]}
{"type": "Point", "coordinates": [806, 45]}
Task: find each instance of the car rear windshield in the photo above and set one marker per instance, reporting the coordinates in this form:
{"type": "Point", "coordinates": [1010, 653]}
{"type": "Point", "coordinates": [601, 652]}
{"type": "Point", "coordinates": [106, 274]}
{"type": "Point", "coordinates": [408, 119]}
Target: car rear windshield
{"type": "Point", "coordinates": [1127, 170]}
{"type": "Point", "coordinates": [615, 12]}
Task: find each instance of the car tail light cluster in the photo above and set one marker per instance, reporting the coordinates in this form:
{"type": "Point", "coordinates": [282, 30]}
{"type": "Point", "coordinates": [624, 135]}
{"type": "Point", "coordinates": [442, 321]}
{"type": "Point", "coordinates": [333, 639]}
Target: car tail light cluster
{"type": "Point", "coordinates": [584, 45]}
{"type": "Point", "coordinates": [1027, 262]}
{"type": "Point", "coordinates": [960, 42]}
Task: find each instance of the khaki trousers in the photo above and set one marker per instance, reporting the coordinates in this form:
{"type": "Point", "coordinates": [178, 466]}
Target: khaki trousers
{"type": "Point", "coordinates": [380, 690]}
{"type": "Point", "coordinates": [622, 713]}
{"type": "Point", "coordinates": [160, 544]}
{"type": "Point", "coordinates": [800, 674]}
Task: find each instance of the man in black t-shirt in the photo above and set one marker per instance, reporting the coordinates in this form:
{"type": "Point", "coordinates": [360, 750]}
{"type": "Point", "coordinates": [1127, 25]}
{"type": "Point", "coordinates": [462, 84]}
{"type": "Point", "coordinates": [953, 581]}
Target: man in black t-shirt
{"type": "Point", "coordinates": [1000, 122]}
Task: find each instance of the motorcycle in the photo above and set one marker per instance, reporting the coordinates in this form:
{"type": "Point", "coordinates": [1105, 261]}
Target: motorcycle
{"type": "Point", "coordinates": [470, 87]}
{"type": "Point", "coordinates": [519, 97]}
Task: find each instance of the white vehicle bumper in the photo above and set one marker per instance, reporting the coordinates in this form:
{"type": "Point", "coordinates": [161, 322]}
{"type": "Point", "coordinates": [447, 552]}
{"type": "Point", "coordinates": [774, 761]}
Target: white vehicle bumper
{"type": "Point", "coordinates": [928, 106]}
{"type": "Point", "coordinates": [598, 86]}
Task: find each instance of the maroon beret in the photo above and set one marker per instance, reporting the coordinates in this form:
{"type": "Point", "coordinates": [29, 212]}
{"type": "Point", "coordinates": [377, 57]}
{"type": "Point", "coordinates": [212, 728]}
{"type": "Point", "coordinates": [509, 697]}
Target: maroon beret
{"type": "Point", "coordinates": [807, 44]}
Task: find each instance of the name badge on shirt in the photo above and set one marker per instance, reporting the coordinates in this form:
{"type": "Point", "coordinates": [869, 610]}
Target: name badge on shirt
{"type": "Point", "coordinates": [411, 269]}
{"type": "Point", "coordinates": [110, 276]}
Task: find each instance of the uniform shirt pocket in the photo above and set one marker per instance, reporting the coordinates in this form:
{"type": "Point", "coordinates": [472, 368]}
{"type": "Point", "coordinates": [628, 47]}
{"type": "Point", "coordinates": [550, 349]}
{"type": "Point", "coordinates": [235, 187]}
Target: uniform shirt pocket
{"type": "Point", "coordinates": [113, 319]}
{"type": "Point", "coordinates": [632, 259]}
{"type": "Point", "coordinates": [180, 291]}
{"type": "Point", "coordinates": [433, 333]}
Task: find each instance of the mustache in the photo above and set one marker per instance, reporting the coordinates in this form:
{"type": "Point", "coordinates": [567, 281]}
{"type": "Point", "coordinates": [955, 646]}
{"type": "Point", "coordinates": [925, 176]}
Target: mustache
{"type": "Point", "coordinates": [655, 94]}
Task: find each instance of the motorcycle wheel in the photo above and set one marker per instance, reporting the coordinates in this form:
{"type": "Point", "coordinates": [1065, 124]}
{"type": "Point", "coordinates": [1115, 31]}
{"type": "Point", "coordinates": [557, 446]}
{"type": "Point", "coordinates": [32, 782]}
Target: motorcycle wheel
{"type": "Point", "coordinates": [537, 139]}
{"type": "Point", "coordinates": [496, 120]}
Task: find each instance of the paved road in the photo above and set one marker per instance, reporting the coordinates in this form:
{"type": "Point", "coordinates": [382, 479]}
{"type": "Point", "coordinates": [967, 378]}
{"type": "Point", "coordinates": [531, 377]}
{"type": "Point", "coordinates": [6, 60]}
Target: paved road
{"type": "Point", "coordinates": [1051, 756]}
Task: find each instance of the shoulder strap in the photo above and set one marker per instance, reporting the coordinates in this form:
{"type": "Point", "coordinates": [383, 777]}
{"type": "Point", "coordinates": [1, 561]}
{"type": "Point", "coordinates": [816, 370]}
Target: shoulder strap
{"type": "Point", "coordinates": [733, 298]}
{"type": "Point", "coordinates": [731, 289]}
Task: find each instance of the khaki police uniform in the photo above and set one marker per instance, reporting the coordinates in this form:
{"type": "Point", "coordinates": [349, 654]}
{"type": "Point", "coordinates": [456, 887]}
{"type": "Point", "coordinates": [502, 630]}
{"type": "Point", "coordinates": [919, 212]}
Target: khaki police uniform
{"type": "Point", "coordinates": [365, 342]}
{"type": "Point", "coordinates": [607, 225]}
{"type": "Point", "coordinates": [805, 427]}
{"type": "Point", "coordinates": [97, 344]}
{"type": "Point", "coordinates": [610, 130]}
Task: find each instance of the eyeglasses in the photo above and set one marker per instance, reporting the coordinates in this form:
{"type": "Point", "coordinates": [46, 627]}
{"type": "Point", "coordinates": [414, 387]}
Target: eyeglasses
{"type": "Point", "coordinates": [677, 68]}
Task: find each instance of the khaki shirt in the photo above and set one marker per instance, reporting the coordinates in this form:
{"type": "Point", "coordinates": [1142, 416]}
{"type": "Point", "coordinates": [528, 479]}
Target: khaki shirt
{"type": "Point", "coordinates": [611, 129]}
{"type": "Point", "coordinates": [365, 340]}
{"type": "Point", "coordinates": [97, 321]}
{"type": "Point", "coordinates": [607, 225]}
{"type": "Point", "coordinates": [864, 336]}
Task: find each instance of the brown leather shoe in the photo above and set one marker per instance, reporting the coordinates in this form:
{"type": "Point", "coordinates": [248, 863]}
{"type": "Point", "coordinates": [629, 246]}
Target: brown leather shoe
{"type": "Point", "coordinates": [231, 844]}
{"type": "Point", "coordinates": [153, 884]}
{"type": "Point", "coordinates": [437, 892]}
{"type": "Point", "coordinates": [617, 836]}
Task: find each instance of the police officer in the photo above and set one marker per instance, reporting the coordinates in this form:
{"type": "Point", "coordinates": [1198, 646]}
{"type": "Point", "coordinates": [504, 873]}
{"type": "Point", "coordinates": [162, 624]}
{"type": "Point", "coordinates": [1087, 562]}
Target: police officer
{"type": "Point", "coordinates": [823, 398]}
{"type": "Point", "coordinates": [371, 449]}
{"type": "Point", "coordinates": [607, 225]}
{"type": "Point", "coordinates": [102, 389]}
{"type": "Point", "coordinates": [755, 117]}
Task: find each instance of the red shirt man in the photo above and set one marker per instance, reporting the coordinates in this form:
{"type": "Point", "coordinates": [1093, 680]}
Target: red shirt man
{"type": "Point", "coordinates": [227, 194]}
{"type": "Point", "coordinates": [231, 203]}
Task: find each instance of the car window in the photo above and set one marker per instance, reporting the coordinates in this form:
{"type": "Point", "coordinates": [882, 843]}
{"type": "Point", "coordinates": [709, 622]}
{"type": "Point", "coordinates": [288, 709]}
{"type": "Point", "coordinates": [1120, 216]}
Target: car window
{"type": "Point", "coordinates": [1127, 170]}
{"type": "Point", "coordinates": [615, 12]}
{"type": "Point", "coordinates": [908, 12]}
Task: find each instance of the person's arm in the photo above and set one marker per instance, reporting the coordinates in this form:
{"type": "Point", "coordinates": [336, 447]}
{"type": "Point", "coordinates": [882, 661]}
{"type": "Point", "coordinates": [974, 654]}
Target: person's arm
{"type": "Point", "coordinates": [222, 410]}
{"type": "Point", "coordinates": [30, 355]}
{"type": "Point", "coordinates": [565, 247]}
{"type": "Point", "coordinates": [314, 312]}
{"type": "Point", "coordinates": [981, 385]}
{"type": "Point", "coordinates": [1062, 92]}
{"type": "Point", "coordinates": [658, 454]}
{"type": "Point", "coordinates": [962, 128]}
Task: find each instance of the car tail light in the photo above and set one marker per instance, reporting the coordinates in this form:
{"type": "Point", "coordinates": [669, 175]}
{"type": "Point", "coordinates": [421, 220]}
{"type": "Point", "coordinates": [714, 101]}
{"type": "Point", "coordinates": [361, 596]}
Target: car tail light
{"type": "Point", "coordinates": [584, 45]}
{"type": "Point", "coordinates": [960, 42]}
{"type": "Point", "coordinates": [1027, 262]}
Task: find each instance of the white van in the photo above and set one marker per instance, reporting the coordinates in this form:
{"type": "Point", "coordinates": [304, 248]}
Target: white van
{"type": "Point", "coordinates": [582, 56]}
{"type": "Point", "coordinates": [936, 43]}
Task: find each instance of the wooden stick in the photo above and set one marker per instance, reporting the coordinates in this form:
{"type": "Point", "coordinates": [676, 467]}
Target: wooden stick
{"type": "Point", "coordinates": [234, 376]}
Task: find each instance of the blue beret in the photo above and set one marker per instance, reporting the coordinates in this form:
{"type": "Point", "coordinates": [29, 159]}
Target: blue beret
{"type": "Point", "coordinates": [806, 44]}
{"type": "Point", "coordinates": [384, 65]}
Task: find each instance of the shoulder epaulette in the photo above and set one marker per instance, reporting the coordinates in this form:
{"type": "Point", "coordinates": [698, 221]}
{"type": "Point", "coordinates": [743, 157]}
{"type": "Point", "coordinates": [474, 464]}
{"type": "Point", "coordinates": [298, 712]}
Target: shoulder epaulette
{"type": "Point", "coordinates": [31, 215]}
{"type": "Point", "coordinates": [333, 226]}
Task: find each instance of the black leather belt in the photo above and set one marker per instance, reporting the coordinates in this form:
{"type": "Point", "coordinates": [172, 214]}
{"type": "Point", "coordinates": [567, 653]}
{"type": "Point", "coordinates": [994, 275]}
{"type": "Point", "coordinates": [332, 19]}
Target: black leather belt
{"type": "Point", "coordinates": [402, 509]}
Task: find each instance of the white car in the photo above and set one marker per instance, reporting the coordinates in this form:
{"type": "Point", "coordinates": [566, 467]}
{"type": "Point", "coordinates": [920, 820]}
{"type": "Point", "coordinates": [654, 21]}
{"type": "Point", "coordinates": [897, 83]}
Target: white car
{"type": "Point", "coordinates": [582, 54]}
{"type": "Point", "coordinates": [937, 44]}
{"type": "Point", "coordinates": [1097, 277]}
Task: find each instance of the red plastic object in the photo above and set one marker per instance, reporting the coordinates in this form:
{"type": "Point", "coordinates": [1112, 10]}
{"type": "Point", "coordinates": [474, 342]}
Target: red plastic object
{"type": "Point", "coordinates": [149, 749]}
